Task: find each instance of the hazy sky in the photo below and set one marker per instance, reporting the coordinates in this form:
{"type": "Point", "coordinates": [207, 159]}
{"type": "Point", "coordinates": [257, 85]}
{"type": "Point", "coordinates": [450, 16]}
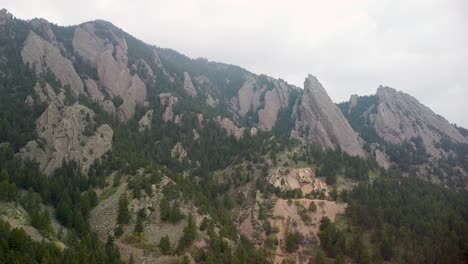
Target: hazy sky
{"type": "Point", "coordinates": [417, 46]}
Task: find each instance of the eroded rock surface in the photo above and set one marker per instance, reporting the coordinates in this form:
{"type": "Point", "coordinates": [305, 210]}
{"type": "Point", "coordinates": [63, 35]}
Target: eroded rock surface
{"type": "Point", "coordinates": [43, 56]}
{"type": "Point", "coordinates": [67, 133]}
{"type": "Point", "coordinates": [275, 100]}
{"type": "Point", "coordinates": [230, 128]}
{"type": "Point", "coordinates": [44, 93]}
{"type": "Point", "coordinates": [110, 59]}
{"type": "Point", "coordinates": [168, 100]}
{"type": "Point", "coordinates": [188, 85]}
{"type": "Point", "coordinates": [318, 120]}
{"type": "Point", "coordinates": [178, 152]}
{"type": "Point", "coordinates": [145, 121]}
{"type": "Point", "coordinates": [400, 117]}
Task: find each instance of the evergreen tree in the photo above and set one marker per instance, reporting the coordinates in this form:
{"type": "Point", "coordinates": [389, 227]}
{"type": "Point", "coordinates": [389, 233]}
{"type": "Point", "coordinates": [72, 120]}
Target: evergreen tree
{"type": "Point", "coordinates": [165, 245]}
{"type": "Point", "coordinates": [123, 216]}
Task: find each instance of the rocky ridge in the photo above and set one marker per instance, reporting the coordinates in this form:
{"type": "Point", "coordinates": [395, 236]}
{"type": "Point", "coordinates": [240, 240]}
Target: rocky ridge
{"type": "Point", "coordinates": [319, 120]}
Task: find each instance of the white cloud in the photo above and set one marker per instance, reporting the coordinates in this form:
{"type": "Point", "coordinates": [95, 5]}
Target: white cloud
{"type": "Point", "coordinates": [417, 46]}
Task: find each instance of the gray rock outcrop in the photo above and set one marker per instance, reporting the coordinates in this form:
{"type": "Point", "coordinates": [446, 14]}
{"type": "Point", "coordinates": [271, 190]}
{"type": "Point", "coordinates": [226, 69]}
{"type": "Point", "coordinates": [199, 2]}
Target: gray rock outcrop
{"type": "Point", "coordinates": [319, 120]}
{"type": "Point", "coordinates": [41, 25]}
{"type": "Point", "coordinates": [98, 95]}
{"type": "Point", "coordinates": [66, 133]}
{"type": "Point", "coordinates": [230, 128]}
{"type": "Point", "coordinates": [188, 85]}
{"type": "Point", "coordinates": [44, 93]}
{"type": "Point", "coordinates": [145, 121]}
{"type": "Point", "coordinates": [249, 96]}
{"type": "Point", "coordinates": [178, 152]}
{"type": "Point", "coordinates": [275, 100]}
{"type": "Point", "coordinates": [110, 59]}
{"type": "Point", "coordinates": [43, 56]}
{"type": "Point", "coordinates": [168, 100]}
{"type": "Point", "coordinates": [400, 117]}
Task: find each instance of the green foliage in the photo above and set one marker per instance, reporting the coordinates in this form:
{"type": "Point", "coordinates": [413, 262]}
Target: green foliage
{"type": "Point", "coordinates": [331, 239]}
{"type": "Point", "coordinates": [17, 247]}
{"type": "Point", "coordinates": [170, 213]}
{"type": "Point", "coordinates": [123, 215]}
{"type": "Point", "coordinates": [412, 220]}
{"type": "Point", "coordinates": [190, 233]}
{"type": "Point", "coordinates": [292, 241]}
{"type": "Point", "coordinates": [139, 222]}
{"type": "Point", "coordinates": [165, 245]}
{"type": "Point", "coordinates": [319, 258]}
{"type": "Point", "coordinates": [357, 117]}
{"type": "Point", "coordinates": [17, 119]}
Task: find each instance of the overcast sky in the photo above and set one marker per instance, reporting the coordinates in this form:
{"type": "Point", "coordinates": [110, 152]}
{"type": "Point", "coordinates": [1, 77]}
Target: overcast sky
{"type": "Point", "coordinates": [416, 46]}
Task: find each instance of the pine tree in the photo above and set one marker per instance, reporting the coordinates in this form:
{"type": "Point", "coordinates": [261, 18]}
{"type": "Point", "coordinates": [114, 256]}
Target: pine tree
{"type": "Point", "coordinates": [165, 245]}
{"type": "Point", "coordinates": [164, 209]}
{"type": "Point", "coordinates": [123, 216]}
{"type": "Point", "coordinates": [319, 258]}
{"type": "Point", "coordinates": [190, 232]}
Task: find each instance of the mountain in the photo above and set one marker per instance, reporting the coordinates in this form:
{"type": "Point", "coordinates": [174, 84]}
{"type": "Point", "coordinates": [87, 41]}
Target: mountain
{"type": "Point", "coordinates": [393, 121]}
{"type": "Point", "coordinates": [113, 150]}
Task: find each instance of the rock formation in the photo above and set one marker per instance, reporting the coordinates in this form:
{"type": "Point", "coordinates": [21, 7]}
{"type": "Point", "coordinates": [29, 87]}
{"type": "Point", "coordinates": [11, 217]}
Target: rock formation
{"type": "Point", "coordinates": [168, 100]}
{"type": "Point", "coordinates": [44, 93]}
{"type": "Point", "coordinates": [318, 120]}
{"type": "Point", "coordinates": [145, 121]}
{"type": "Point", "coordinates": [43, 27]}
{"type": "Point", "coordinates": [98, 95]}
{"type": "Point", "coordinates": [230, 128]}
{"type": "Point", "coordinates": [188, 85]}
{"type": "Point", "coordinates": [248, 97]}
{"type": "Point", "coordinates": [400, 117]}
{"type": "Point", "coordinates": [43, 56]}
{"type": "Point", "coordinates": [66, 133]}
{"type": "Point", "coordinates": [275, 100]}
{"type": "Point", "coordinates": [178, 152]}
{"type": "Point", "coordinates": [110, 59]}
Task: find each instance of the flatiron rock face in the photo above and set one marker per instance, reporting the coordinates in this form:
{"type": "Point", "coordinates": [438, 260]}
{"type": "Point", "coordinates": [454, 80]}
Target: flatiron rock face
{"type": "Point", "coordinates": [42, 56]}
{"type": "Point", "coordinates": [319, 120]}
{"type": "Point", "coordinates": [67, 133]}
{"type": "Point", "coordinates": [110, 59]}
{"type": "Point", "coordinates": [168, 100]}
{"type": "Point", "coordinates": [400, 117]}
{"type": "Point", "coordinates": [188, 85]}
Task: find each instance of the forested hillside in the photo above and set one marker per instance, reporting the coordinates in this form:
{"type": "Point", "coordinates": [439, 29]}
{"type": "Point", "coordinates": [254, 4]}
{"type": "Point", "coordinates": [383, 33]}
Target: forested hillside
{"type": "Point", "coordinates": [116, 151]}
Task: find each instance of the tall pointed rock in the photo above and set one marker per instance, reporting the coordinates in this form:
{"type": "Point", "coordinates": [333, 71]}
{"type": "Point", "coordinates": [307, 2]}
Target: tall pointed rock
{"type": "Point", "coordinates": [319, 120]}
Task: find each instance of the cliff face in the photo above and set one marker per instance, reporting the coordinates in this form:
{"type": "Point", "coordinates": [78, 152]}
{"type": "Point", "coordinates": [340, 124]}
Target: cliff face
{"type": "Point", "coordinates": [42, 56]}
{"type": "Point", "coordinates": [265, 97]}
{"type": "Point", "coordinates": [109, 57]}
{"type": "Point", "coordinates": [67, 133]}
{"type": "Point", "coordinates": [318, 120]}
{"type": "Point", "coordinates": [400, 117]}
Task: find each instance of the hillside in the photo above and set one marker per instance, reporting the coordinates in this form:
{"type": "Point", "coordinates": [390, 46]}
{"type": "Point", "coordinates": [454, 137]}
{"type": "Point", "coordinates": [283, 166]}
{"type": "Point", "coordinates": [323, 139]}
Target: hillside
{"type": "Point", "coordinates": [116, 151]}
